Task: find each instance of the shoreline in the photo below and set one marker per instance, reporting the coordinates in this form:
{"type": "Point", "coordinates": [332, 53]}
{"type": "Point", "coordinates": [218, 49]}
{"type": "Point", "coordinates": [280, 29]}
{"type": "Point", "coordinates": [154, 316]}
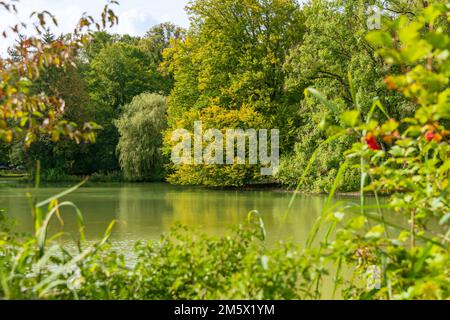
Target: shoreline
{"type": "Point", "coordinates": [25, 179]}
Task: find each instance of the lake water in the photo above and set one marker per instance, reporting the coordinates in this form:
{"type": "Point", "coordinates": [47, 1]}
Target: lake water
{"type": "Point", "coordinates": [145, 211]}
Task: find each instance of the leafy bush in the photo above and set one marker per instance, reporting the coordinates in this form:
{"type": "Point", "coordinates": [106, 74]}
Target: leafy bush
{"type": "Point", "coordinates": [182, 265]}
{"type": "Point", "coordinates": [140, 128]}
{"type": "Point", "coordinates": [407, 159]}
{"type": "Point", "coordinates": [188, 265]}
{"type": "Point", "coordinates": [321, 176]}
{"type": "Point", "coordinates": [215, 117]}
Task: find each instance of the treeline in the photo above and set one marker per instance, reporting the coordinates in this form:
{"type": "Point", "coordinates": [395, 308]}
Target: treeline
{"type": "Point", "coordinates": [241, 64]}
{"type": "Point", "coordinates": [110, 71]}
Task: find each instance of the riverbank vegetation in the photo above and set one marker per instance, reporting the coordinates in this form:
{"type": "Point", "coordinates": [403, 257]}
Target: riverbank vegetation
{"type": "Point", "coordinates": [256, 56]}
{"type": "Point", "coordinates": [382, 117]}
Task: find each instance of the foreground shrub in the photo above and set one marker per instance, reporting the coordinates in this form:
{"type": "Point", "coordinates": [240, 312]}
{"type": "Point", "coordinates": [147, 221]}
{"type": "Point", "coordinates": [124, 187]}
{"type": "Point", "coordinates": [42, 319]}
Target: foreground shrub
{"type": "Point", "coordinates": [187, 266]}
{"type": "Point", "coordinates": [404, 240]}
{"type": "Point", "coordinates": [182, 265]}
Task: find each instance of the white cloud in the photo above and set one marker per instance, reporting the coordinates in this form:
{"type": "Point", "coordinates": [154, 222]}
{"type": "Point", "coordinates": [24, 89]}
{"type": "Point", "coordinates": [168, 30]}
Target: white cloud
{"type": "Point", "coordinates": [135, 16]}
{"type": "Point", "coordinates": [135, 22]}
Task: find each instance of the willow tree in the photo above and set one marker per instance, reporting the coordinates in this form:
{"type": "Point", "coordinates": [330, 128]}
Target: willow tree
{"type": "Point", "coordinates": [140, 128]}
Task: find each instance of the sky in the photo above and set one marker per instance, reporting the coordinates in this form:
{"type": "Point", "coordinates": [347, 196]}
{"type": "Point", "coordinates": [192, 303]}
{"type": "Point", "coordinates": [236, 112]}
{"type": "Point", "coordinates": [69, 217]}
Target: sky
{"type": "Point", "coordinates": [135, 16]}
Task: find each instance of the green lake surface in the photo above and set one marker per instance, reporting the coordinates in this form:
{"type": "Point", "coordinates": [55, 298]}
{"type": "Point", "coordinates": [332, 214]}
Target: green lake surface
{"type": "Point", "coordinates": [145, 211]}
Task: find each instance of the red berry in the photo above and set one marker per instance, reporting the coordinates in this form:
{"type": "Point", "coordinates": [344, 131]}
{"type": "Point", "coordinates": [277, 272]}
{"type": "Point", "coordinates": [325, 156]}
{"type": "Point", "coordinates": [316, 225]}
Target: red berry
{"type": "Point", "coordinates": [372, 142]}
{"type": "Point", "coordinates": [429, 136]}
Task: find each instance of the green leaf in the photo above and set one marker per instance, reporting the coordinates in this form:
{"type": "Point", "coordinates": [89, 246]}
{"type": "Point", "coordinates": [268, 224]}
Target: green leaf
{"type": "Point", "coordinates": [357, 223]}
{"type": "Point", "coordinates": [445, 219]}
{"type": "Point", "coordinates": [319, 96]}
{"type": "Point", "coordinates": [420, 262]}
{"type": "Point", "coordinates": [60, 195]}
{"type": "Point", "coordinates": [379, 38]}
{"type": "Point", "coordinates": [376, 232]}
{"type": "Point", "coordinates": [397, 151]}
{"type": "Point", "coordinates": [350, 118]}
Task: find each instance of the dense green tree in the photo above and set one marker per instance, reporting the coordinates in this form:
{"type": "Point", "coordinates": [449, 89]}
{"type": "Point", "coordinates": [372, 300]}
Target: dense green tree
{"type": "Point", "coordinates": [4, 154]}
{"type": "Point", "coordinates": [334, 46]}
{"type": "Point", "coordinates": [233, 55]}
{"type": "Point", "coordinates": [140, 128]}
{"type": "Point", "coordinates": [158, 38]}
{"type": "Point", "coordinates": [99, 41]}
{"type": "Point", "coordinates": [25, 114]}
{"type": "Point", "coordinates": [120, 72]}
{"type": "Point", "coordinates": [67, 84]}
{"type": "Point", "coordinates": [93, 91]}
{"type": "Point", "coordinates": [155, 41]}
